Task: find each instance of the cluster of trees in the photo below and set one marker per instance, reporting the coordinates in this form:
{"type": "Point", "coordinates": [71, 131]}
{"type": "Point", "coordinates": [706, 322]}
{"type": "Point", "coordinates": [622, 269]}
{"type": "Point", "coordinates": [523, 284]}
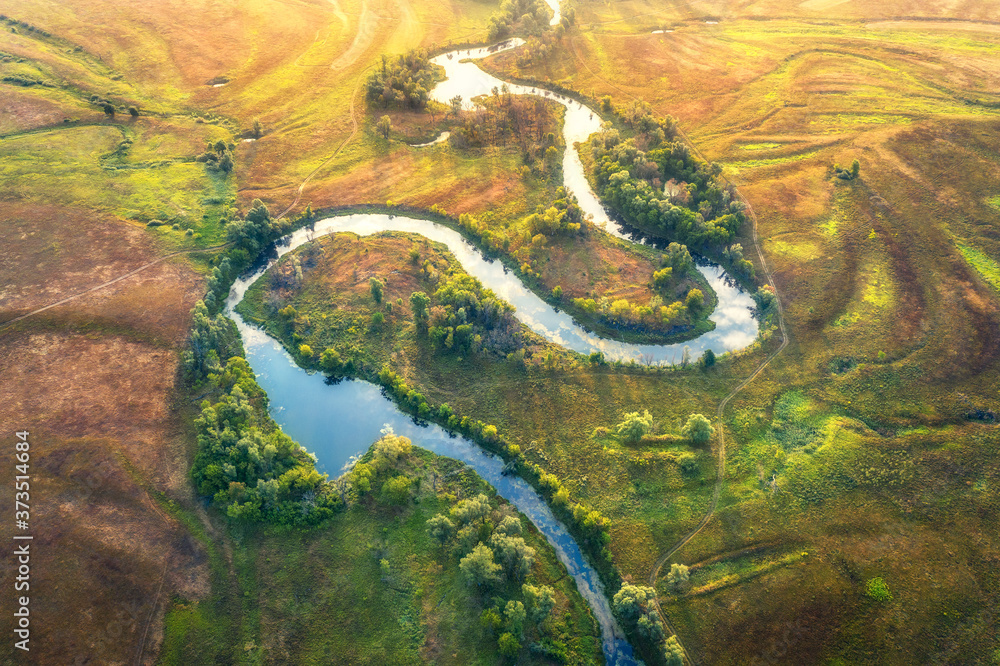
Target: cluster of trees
{"type": "Point", "coordinates": [494, 557]}
{"type": "Point", "coordinates": [530, 17]}
{"type": "Point", "coordinates": [538, 48]}
{"type": "Point", "coordinates": [218, 156]}
{"type": "Point", "coordinates": [657, 315]}
{"type": "Point", "coordinates": [244, 462]}
{"type": "Point", "coordinates": [635, 606]}
{"type": "Point", "coordinates": [254, 232]}
{"type": "Point", "coordinates": [637, 425]}
{"type": "Point", "coordinates": [657, 185]}
{"type": "Point", "coordinates": [413, 401]}
{"type": "Point", "coordinates": [28, 81]}
{"type": "Point", "coordinates": [214, 340]}
{"type": "Point", "coordinates": [463, 316]}
{"type": "Point", "coordinates": [733, 255]}
{"type": "Point", "coordinates": [377, 473]}
{"type": "Point", "coordinates": [765, 299]}
{"type": "Point", "coordinates": [24, 25]}
{"type": "Point", "coordinates": [247, 464]}
{"type": "Point", "coordinates": [108, 106]}
{"type": "Point", "coordinates": [403, 81]}
{"type": "Point", "coordinates": [503, 119]}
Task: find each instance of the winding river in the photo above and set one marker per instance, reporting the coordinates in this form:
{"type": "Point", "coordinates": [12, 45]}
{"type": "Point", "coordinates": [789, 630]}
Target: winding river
{"type": "Point", "coordinates": [339, 421]}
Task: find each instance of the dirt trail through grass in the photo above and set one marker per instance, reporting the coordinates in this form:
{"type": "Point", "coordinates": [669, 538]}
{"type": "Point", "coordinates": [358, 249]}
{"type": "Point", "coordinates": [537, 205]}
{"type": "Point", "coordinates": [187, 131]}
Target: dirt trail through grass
{"type": "Point", "coordinates": [655, 572]}
{"type": "Point", "coordinates": [354, 131]}
{"type": "Point", "coordinates": [367, 22]}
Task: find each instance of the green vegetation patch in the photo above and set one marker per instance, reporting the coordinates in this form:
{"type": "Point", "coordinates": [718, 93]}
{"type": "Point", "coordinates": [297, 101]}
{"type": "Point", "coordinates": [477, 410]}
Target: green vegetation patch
{"type": "Point", "coordinates": [984, 265]}
{"type": "Point", "coordinates": [92, 166]}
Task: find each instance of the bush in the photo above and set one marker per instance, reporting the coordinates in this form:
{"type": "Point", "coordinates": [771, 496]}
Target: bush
{"type": "Point", "coordinates": [376, 287]}
{"type": "Point", "coordinates": [876, 589]}
{"type": "Point", "coordinates": [509, 645]}
{"type": "Point", "coordinates": [678, 578]}
{"type": "Point", "coordinates": [397, 490]}
{"type": "Point", "coordinates": [635, 426]}
{"type": "Point", "coordinates": [479, 568]}
{"type": "Point", "coordinates": [673, 654]}
{"type": "Point", "coordinates": [698, 429]}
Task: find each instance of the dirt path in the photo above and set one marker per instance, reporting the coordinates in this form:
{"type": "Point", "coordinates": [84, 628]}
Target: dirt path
{"type": "Point", "coordinates": [354, 131]}
{"type": "Point", "coordinates": [367, 23]}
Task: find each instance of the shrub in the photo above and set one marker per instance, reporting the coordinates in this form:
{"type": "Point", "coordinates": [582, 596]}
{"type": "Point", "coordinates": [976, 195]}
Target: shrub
{"type": "Point", "coordinates": [635, 426]}
{"type": "Point", "coordinates": [673, 654]}
{"type": "Point", "coordinates": [376, 287]}
{"type": "Point", "coordinates": [678, 578]}
{"type": "Point", "coordinates": [876, 589]}
{"type": "Point", "coordinates": [698, 429]}
{"type": "Point", "coordinates": [397, 490]}
{"type": "Point", "coordinates": [441, 528]}
{"type": "Point", "coordinates": [695, 300]}
{"type": "Point", "coordinates": [479, 568]}
{"type": "Point", "coordinates": [509, 645]}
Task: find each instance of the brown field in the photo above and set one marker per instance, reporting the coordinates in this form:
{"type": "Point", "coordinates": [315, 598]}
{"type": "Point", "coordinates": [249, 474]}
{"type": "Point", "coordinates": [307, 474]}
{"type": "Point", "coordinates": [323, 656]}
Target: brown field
{"type": "Point", "coordinates": [94, 382]}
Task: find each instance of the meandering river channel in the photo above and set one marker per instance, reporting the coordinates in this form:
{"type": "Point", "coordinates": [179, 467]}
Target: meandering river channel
{"type": "Point", "coordinates": [338, 421]}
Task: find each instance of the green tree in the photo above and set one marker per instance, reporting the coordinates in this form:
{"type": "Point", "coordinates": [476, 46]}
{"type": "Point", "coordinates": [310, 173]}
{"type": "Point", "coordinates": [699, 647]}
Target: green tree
{"type": "Point", "coordinates": [490, 619]}
{"type": "Point", "coordinates": [441, 528]}
{"type": "Point", "coordinates": [678, 257]}
{"type": "Point", "coordinates": [305, 351]}
{"type": "Point", "coordinates": [509, 645]}
{"type": "Point", "coordinates": [330, 361]}
{"type": "Point", "coordinates": [514, 555]}
{"type": "Point", "coordinates": [673, 654]}
{"type": "Point", "coordinates": [479, 568]}
{"type": "Point", "coordinates": [635, 605]}
{"type": "Point", "coordinates": [515, 616]}
{"type": "Point", "coordinates": [631, 601]}
{"type": "Point", "coordinates": [109, 109]}
{"type": "Point", "coordinates": [396, 490]}
{"type": "Point", "coordinates": [678, 578]}
{"type": "Point", "coordinates": [258, 129]}
{"type": "Point", "coordinates": [418, 303]}
{"type": "Point", "coordinates": [510, 525]}
{"type": "Point", "coordinates": [541, 600]}
{"type": "Point", "coordinates": [855, 169]}
{"type": "Point", "coordinates": [455, 104]}
{"type": "Point", "coordinates": [708, 359]}
{"type": "Point", "coordinates": [663, 277]}
{"type": "Point", "coordinates": [134, 112]}
{"type": "Point", "coordinates": [470, 510]}
{"type": "Point", "coordinates": [698, 429]}
{"type": "Point", "coordinates": [695, 300]}
{"type": "Point", "coordinates": [635, 426]}
{"type": "Point", "coordinates": [384, 126]}
{"type": "Point", "coordinates": [376, 287]}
